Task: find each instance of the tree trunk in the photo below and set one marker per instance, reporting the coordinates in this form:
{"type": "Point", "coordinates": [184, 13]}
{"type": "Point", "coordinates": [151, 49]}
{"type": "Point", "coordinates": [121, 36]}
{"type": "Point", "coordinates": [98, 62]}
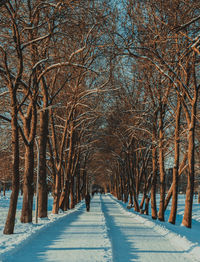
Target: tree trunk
{"type": "Point", "coordinates": [115, 185]}
{"type": "Point", "coordinates": [118, 187]}
{"type": "Point", "coordinates": [143, 199]}
{"type": "Point", "coordinates": [68, 170]}
{"type": "Point", "coordinates": [28, 189]}
{"type": "Point", "coordinates": [62, 179]}
{"type": "Point", "coordinates": [154, 176]}
{"type": "Point", "coordinates": [172, 217]}
{"type": "Point", "coordinates": [147, 185]}
{"type": "Point", "coordinates": [59, 160]}
{"type": "Point", "coordinates": [62, 198]}
{"type": "Point", "coordinates": [146, 210]}
{"type": "Point", "coordinates": [42, 186]}
{"type": "Point", "coordinates": [4, 189]}
{"type": "Point", "coordinates": [162, 170]}
{"type": "Point", "coordinates": [137, 187]}
{"type": "Point", "coordinates": [78, 195]}
{"type": "Point", "coordinates": [66, 202]}
{"type": "Point", "coordinates": [74, 171]}
{"type": "Point", "coordinates": [187, 218]}
{"type": "Point", "coordinates": [57, 192]}
{"type": "Point", "coordinates": [130, 198]}
{"type": "Point", "coordinates": [83, 193]}
{"type": "Point", "coordinates": [129, 191]}
{"type": "Point", "coordinates": [136, 205]}
{"type": "Point", "coordinates": [121, 188]}
{"type": "Point", "coordinates": [191, 123]}
{"type": "Point", "coordinates": [72, 192]}
{"type": "Point", "coordinates": [10, 221]}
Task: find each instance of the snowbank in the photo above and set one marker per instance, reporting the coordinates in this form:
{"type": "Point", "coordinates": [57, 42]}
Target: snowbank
{"type": "Point", "coordinates": [177, 234]}
{"type": "Point", "coordinates": [24, 232]}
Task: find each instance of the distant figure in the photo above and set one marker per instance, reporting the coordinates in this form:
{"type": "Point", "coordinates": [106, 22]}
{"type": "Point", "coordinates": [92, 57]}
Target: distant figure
{"type": "Point", "coordinates": [87, 201]}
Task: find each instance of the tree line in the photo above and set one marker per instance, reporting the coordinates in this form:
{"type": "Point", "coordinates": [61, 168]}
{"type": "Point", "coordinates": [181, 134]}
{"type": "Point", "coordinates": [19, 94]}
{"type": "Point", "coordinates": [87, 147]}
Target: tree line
{"type": "Point", "coordinates": [49, 92]}
{"type": "Point", "coordinates": [157, 124]}
{"type": "Point", "coordinates": [100, 92]}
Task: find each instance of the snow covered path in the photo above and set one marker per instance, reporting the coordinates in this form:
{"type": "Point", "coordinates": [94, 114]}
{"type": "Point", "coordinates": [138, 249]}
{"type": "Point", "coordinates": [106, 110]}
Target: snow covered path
{"type": "Point", "coordinates": [134, 241]}
{"type": "Point", "coordinates": [87, 236]}
{"type": "Point", "coordinates": [80, 236]}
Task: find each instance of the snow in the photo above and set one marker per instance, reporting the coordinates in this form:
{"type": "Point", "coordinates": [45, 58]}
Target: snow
{"type": "Point", "coordinates": [109, 232]}
{"type": "Point", "coordinates": [161, 235]}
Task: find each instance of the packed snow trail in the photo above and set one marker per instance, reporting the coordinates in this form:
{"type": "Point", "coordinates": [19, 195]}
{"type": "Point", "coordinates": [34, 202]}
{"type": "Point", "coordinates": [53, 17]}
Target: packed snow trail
{"type": "Point", "coordinates": [79, 237]}
{"type": "Point", "coordinates": [134, 241]}
{"type": "Point", "coordinates": [107, 233]}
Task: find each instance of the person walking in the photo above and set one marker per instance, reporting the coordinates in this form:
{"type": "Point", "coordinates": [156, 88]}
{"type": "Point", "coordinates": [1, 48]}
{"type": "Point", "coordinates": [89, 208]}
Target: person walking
{"type": "Point", "coordinates": [87, 201]}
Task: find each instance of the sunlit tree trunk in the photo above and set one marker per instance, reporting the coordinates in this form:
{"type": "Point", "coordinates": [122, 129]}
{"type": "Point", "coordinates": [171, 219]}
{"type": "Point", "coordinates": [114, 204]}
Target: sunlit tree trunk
{"type": "Point", "coordinates": [154, 171]}
{"type": "Point", "coordinates": [13, 89]}
{"type": "Point", "coordinates": [57, 193]}
{"type": "Point", "coordinates": [68, 168]}
{"type": "Point", "coordinates": [172, 217]}
{"type": "Point", "coordinates": [59, 160]}
{"type": "Point", "coordinates": [191, 117]}
{"type": "Point", "coordinates": [187, 218]}
{"type": "Point", "coordinates": [28, 186]}
{"type": "Point", "coordinates": [161, 167]}
{"type": "Point", "coordinates": [10, 221]}
{"type": "Point", "coordinates": [30, 123]}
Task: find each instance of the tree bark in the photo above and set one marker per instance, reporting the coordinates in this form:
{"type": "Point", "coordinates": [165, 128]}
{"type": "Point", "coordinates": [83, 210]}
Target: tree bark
{"type": "Point", "coordinates": [191, 122]}
{"type": "Point", "coordinates": [42, 187]}
{"type": "Point", "coordinates": [13, 88]}
{"type": "Point", "coordinates": [10, 221]}
{"type": "Point", "coordinates": [68, 164]}
{"type": "Point", "coordinates": [66, 200]}
{"type": "Point", "coordinates": [154, 167]}
{"type": "Point", "coordinates": [78, 195]}
{"type": "Point", "coordinates": [83, 193]}
{"type": "Point", "coordinates": [146, 210]}
{"type": "Point", "coordinates": [72, 193]}
{"type": "Point", "coordinates": [161, 168]}
{"type": "Point", "coordinates": [57, 193]}
{"type": "Point", "coordinates": [172, 217]}
{"type": "Point", "coordinates": [187, 218]}
{"type": "Point", "coordinates": [28, 189]}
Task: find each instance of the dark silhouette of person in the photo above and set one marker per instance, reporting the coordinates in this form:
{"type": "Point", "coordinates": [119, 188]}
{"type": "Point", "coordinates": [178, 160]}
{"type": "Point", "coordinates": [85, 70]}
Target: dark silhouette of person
{"type": "Point", "coordinates": [87, 201]}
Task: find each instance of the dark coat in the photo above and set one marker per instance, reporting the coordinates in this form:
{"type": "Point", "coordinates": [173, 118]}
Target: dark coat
{"type": "Point", "coordinates": [87, 199]}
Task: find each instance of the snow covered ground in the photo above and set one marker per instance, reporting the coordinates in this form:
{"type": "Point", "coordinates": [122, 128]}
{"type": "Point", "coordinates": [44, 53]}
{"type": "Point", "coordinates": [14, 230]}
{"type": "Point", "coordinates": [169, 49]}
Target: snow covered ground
{"type": "Point", "coordinates": [109, 232]}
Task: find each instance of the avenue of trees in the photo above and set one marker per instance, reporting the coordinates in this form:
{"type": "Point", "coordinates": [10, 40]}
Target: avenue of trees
{"type": "Point", "coordinates": [97, 92]}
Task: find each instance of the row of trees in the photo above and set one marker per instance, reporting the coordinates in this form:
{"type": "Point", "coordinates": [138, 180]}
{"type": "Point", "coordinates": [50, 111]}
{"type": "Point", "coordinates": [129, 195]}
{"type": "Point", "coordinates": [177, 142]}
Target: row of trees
{"type": "Point", "coordinates": [49, 89]}
{"type": "Point", "coordinates": [157, 127]}
{"type": "Point", "coordinates": [93, 95]}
